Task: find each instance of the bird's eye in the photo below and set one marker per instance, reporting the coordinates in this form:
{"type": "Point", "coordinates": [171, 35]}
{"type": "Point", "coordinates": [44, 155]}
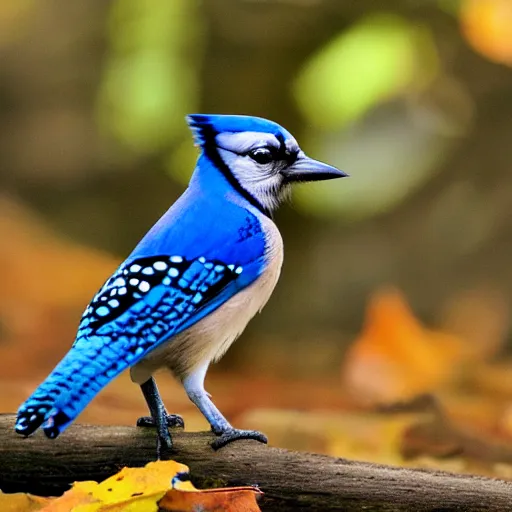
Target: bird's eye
{"type": "Point", "coordinates": [262, 155]}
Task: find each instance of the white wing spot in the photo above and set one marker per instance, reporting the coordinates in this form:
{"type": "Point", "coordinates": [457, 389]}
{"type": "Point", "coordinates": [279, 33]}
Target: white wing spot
{"type": "Point", "coordinates": [144, 286]}
{"type": "Point", "coordinates": [133, 281]}
{"type": "Point", "coordinates": [174, 272]}
{"type": "Point", "coordinates": [166, 281]}
{"type": "Point", "coordinates": [122, 291]}
{"type": "Point", "coordinates": [148, 271]}
{"type": "Point", "coordinates": [231, 267]}
{"type": "Point", "coordinates": [135, 268]}
{"type": "Point", "coordinates": [114, 303]}
{"type": "Point", "coordinates": [113, 292]}
{"type": "Point", "coordinates": [119, 282]}
{"type": "Point", "coordinates": [102, 311]}
{"type": "Point", "coordinates": [160, 265]}
{"type": "Point", "coordinates": [202, 259]}
{"type": "Point", "coordinates": [219, 268]}
{"type": "Point", "coordinates": [238, 270]}
{"type": "Point", "coordinates": [176, 259]}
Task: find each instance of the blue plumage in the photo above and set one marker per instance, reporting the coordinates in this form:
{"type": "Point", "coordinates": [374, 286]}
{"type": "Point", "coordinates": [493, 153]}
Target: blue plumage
{"type": "Point", "coordinates": [213, 244]}
{"type": "Point", "coordinates": [202, 125]}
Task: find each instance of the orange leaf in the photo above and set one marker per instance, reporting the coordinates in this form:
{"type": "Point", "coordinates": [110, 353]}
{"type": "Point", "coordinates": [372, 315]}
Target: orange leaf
{"type": "Point", "coordinates": [233, 499]}
{"type": "Point", "coordinates": [397, 358]}
{"type": "Point", "coordinates": [20, 502]}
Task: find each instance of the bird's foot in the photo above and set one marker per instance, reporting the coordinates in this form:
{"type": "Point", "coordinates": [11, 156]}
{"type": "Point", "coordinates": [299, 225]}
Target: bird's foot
{"type": "Point", "coordinates": [172, 420]}
{"type": "Point", "coordinates": [164, 441]}
{"type": "Point", "coordinates": [228, 436]}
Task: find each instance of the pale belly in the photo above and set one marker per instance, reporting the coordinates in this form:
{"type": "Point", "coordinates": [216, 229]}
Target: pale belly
{"type": "Point", "coordinates": [208, 339]}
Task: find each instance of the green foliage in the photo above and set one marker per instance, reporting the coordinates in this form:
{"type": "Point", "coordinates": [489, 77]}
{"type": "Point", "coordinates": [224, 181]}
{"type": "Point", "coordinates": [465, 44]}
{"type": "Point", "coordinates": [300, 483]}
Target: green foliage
{"type": "Point", "coordinates": [371, 62]}
{"type": "Point", "coordinates": [343, 92]}
{"type": "Point", "coordinates": [149, 84]}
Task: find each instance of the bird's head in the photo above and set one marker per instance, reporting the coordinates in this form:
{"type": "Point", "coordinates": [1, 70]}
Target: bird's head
{"type": "Point", "coordinates": [258, 157]}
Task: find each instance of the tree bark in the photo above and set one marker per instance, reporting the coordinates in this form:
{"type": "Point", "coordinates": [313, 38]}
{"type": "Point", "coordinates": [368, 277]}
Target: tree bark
{"type": "Point", "coordinates": [290, 480]}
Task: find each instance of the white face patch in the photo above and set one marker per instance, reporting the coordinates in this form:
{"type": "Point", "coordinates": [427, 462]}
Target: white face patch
{"type": "Point", "coordinates": [263, 181]}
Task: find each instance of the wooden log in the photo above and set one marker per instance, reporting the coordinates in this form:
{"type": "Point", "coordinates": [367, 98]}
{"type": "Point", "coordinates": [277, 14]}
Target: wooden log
{"type": "Point", "coordinates": [290, 480]}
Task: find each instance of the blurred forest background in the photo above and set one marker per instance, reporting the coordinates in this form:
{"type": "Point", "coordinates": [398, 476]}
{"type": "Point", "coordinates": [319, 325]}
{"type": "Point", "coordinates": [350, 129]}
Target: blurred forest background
{"type": "Point", "coordinates": [388, 336]}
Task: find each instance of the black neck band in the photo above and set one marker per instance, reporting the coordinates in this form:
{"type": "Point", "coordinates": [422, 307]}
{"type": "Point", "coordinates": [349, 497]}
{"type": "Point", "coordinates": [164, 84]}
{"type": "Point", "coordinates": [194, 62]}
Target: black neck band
{"type": "Point", "coordinates": [211, 152]}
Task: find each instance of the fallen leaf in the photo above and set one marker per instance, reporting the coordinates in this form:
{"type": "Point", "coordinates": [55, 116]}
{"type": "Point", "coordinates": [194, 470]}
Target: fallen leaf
{"type": "Point", "coordinates": [481, 317]}
{"type": "Point", "coordinates": [161, 485]}
{"type": "Point", "coordinates": [130, 489]}
{"type": "Point", "coordinates": [234, 499]}
{"type": "Point", "coordinates": [21, 502]}
{"type": "Point", "coordinates": [396, 357]}
{"type": "Point", "coordinates": [441, 438]}
{"type": "Point", "coordinates": [79, 495]}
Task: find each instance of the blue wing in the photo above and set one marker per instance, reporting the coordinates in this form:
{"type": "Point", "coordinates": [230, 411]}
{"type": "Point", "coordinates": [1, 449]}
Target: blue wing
{"type": "Point", "coordinates": [150, 299]}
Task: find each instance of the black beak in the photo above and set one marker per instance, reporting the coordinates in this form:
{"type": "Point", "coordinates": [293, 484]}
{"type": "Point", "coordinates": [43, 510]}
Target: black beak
{"type": "Point", "coordinates": [307, 169]}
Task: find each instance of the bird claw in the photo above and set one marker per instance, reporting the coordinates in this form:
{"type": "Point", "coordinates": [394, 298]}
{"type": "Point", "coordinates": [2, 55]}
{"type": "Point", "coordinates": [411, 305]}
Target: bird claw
{"type": "Point", "coordinates": [164, 441]}
{"type": "Point", "coordinates": [228, 436]}
{"type": "Point", "coordinates": [172, 420]}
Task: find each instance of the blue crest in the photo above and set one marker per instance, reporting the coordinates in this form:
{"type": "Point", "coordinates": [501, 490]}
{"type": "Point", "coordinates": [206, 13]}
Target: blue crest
{"type": "Point", "coordinates": [205, 126]}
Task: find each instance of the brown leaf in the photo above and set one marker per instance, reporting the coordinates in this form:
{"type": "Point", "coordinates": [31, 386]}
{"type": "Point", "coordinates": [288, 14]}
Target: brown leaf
{"type": "Point", "coordinates": [234, 499]}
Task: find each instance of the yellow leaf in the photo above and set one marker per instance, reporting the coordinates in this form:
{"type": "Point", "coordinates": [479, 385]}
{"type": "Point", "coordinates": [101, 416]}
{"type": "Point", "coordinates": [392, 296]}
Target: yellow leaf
{"type": "Point", "coordinates": [132, 489]}
{"type": "Point", "coordinates": [141, 489]}
{"type": "Point", "coordinates": [79, 494]}
{"type": "Point", "coordinates": [154, 478]}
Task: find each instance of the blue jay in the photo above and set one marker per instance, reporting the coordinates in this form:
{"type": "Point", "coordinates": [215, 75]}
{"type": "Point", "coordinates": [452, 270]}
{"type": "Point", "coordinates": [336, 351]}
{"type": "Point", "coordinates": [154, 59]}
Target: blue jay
{"type": "Point", "coordinates": [190, 286]}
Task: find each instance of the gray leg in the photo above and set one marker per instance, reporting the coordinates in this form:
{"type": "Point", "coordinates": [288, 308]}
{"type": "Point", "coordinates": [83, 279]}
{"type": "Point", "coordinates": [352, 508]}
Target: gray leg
{"type": "Point", "coordinates": [159, 417]}
{"type": "Point", "coordinates": [194, 386]}
{"type": "Point", "coordinates": [173, 420]}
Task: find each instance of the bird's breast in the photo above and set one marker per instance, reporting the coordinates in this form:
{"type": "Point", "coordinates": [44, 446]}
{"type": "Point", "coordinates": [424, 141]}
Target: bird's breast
{"type": "Point", "coordinates": [208, 339]}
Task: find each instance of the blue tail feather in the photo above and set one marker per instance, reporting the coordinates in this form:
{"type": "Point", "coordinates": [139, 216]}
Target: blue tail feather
{"type": "Point", "coordinates": [74, 382]}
